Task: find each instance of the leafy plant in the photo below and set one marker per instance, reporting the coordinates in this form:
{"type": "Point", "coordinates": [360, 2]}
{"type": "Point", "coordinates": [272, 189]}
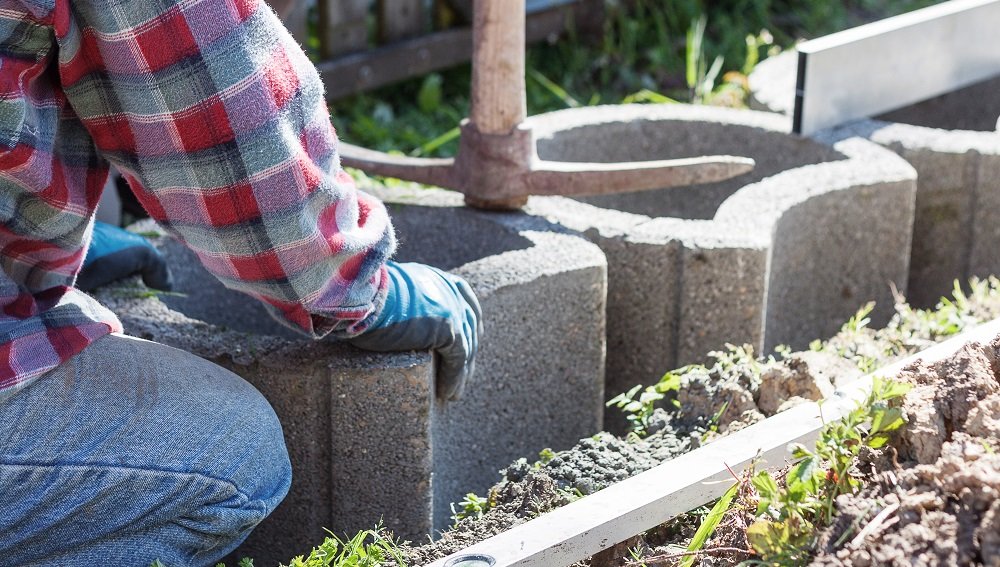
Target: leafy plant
{"type": "Point", "coordinates": [472, 506]}
{"type": "Point", "coordinates": [545, 455]}
{"type": "Point", "coordinates": [429, 96]}
{"type": "Point", "coordinates": [639, 410]}
{"type": "Point", "coordinates": [739, 360]}
{"type": "Point", "coordinates": [368, 548]}
{"type": "Point", "coordinates": [700, 76]}
{"type": "Point", "coordinates": [912, 329]}
{"type": "Point", "coordinates": [789, 515]}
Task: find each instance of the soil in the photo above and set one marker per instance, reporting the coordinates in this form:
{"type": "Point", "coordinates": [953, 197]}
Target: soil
{"type": "Point", "coordinates": [931, 497]}
{"type": "Point", "coordinates": [943, 473]}
{"type": "Point", "coordinates": [940, 505]}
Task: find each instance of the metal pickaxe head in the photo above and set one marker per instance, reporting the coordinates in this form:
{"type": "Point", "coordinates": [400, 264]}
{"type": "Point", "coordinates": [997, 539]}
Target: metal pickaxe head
{"type": "Point", "coordinates": [497, 165]}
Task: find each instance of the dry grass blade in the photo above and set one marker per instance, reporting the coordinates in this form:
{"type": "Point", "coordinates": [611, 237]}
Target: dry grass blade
{"type": "Point", "coordinates": [875, 525]}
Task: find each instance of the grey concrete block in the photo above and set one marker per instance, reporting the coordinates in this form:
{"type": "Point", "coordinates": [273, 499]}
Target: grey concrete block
{"type": "Point", "coordinates": [540, 370]}
{"type": "Point", "coordinates": [721, 297]}
{"type": "Point", "coordinates": [984, 255]}
{"type": "Point", "coordinates": [942, 223]}
{"type": "Point", "coordinates": [368, 440]}
{"type": "Point", "coordinates": [784, 254]}
{"type": "Point", "coordinates": [338, 407]}
{"type": "Point", "coordinates": [650, 353]}
{"type": "Point", "coordinates": [951, 141]}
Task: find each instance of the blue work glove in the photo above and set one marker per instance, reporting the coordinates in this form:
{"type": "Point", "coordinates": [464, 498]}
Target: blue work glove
{"type": "Point", "coordinates": [116, 253]}
{"type": "Point", "coordinates": [429, 309]}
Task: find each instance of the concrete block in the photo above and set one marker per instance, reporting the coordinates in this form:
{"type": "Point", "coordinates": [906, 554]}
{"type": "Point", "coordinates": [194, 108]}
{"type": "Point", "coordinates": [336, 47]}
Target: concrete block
{"type": "Point", "coordinates": [357, 425]}
{"type": "Point", "coordinates": [951, 141]}
{"type": "Point", "coordinates": [721, 299]}
{"type": "Point", "coordinates": [782, 255]}
{"type": "Point", "coordinates": [540, 371]}
{"type": "Point", "coordinates": [367, 438]}
{"type": "Point", "coordinates": [984, 258]}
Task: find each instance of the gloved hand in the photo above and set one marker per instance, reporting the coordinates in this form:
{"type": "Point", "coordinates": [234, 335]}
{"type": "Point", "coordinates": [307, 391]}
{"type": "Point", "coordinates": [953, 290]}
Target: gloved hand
{"type": "Point", "coordinates": [429, 309]}
{"type": "Point", "coordinates": [116, 253]}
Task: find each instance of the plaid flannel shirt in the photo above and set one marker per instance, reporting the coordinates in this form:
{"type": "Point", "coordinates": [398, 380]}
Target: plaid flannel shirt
{"type": "Point", "coordinates": [218, 121]}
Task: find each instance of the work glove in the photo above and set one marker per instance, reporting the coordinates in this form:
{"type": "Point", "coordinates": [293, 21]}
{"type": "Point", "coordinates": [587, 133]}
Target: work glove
{"type": "Point", "coordinates": [116, 253]}
{"type": "Point", "coordinates": [429, 309]}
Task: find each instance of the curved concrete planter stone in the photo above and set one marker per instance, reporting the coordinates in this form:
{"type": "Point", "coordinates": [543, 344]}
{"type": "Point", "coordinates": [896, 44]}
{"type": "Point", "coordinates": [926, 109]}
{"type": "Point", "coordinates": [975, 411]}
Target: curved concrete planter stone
{"type": "Point", "coordinates": [782, 255]}
{"type": "Point", "coordinates": [367, 438]}
{"type": "Point", "coordinates": [951, 141]}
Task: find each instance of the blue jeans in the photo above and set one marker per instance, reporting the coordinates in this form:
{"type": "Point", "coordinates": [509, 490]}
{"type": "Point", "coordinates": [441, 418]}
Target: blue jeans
{"type": "Point", "coordinates": [134, 451]}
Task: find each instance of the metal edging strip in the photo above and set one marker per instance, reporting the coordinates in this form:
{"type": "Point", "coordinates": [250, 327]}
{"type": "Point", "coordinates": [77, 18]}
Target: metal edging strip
{"type": "Point", "coordinates": [582, 528]}
{"type": "Point", "coordinates": [897, 61]}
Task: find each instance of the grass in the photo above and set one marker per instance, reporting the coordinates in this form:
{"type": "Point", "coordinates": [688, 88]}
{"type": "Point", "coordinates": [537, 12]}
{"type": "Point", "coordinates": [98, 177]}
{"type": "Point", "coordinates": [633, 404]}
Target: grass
{"type": "Point", "coordinates": [648, 51]}
{"type": "Point", "coordinates": [790, 515]}
{"type": "Point", "coordinates": [367, 548]}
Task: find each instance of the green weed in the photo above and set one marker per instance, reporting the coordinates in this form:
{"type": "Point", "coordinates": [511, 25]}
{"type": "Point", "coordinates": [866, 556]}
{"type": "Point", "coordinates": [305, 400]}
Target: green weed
{"type": "Point", "coordinates": [544, 456]}
{"type": "Point", "coordinates": [709, 524]}
{"type": "Point", "coordinates": [789, 516]}
{"type": "Point", "coordinates": [639, 410]}
{"type": "Point", "coordinates": [911, 329]}
{"type": "Point", "coordinates": [472, 506]}
{"type": "Point", "coordinates": [368, 548]}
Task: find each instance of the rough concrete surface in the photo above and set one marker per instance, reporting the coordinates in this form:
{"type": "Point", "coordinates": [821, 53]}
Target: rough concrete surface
{"type": "Point", "coordinates": [781, 255]}
{"type": "Point", "coordinates": [540, 370]}
{"type": "Point", "coordinates": [368, 441]}
{"type": "Point", "coordinates": [952, 142]}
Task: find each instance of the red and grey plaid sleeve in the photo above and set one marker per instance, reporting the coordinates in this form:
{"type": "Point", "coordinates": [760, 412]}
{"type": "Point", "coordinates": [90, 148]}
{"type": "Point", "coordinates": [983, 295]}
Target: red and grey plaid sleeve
{"type": "Point", "coordinates": [219, 122]}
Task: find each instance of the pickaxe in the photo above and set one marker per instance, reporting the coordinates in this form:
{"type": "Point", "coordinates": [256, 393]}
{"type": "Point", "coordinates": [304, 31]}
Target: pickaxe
{"type": "Point", "coordinates": [497, 165]}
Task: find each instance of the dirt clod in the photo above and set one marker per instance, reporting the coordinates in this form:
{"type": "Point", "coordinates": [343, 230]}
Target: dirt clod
{"type": "Point", "coordinates": [948, 489]}
{"type": "Point", "coordinates": [805, 375]}
{"type": "Point", "coordinates": [935, 484]}
{"type": "Point", "coordinates": [988, 535]}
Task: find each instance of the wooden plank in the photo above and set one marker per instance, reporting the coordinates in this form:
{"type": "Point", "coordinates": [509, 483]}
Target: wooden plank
{"type": "Point", "coordinates": [498, 102]}
{"type": "Point", "coordinates": [400, 19]}
{"type": "Point", "coordinates": [344, 25]}
{"type": "Point", "coordinates": [895, 62]}
{"type": "Point", "coordinates": [464, 7]}
{"type": "Point", "coordinates": [582, 528]}
{"type": "Point", "coordinates": [282, 7]}
{"type": "Point", "coordinates": [381, 66]}
{"type": "Point", "coordinates": [293, 14]}
{"type": "Point", "coordinates": [359, 72]}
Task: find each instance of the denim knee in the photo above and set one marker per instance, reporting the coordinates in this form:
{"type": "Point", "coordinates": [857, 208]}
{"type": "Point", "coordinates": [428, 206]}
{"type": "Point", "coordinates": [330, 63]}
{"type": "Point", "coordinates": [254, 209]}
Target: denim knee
{"type": "Point", "coordinates": [177, 457]}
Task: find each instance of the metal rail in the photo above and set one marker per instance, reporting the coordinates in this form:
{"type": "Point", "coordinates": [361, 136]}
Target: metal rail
{"type": "Point", "coordinates": [584, 527]}
{"type": "Point", "coordinates": [894, 62]}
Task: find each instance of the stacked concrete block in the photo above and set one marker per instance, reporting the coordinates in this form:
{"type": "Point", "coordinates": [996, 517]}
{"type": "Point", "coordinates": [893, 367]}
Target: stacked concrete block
{"type": "Point", "coordinates": [782, 255]}
{"type": "Point", "coordinates": [540, 371]}
{"type": "Point", "coordinates": [951, 141]}
{"type": "Point", "coordinates": [368, 440]}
